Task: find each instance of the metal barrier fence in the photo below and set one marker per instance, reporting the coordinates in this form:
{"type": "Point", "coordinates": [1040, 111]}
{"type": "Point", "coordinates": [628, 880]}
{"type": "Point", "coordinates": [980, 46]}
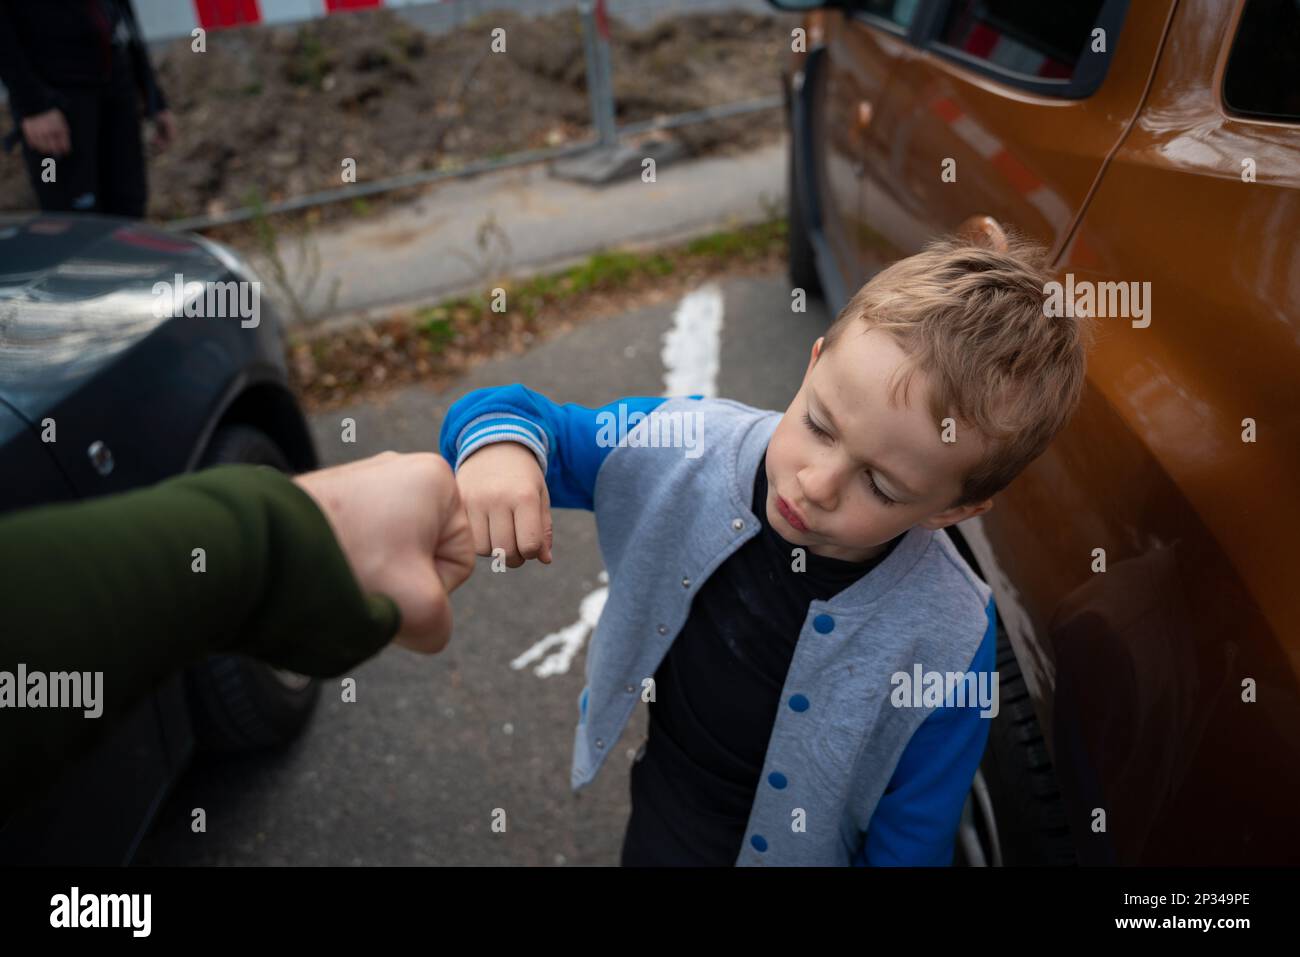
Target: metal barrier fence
{"type": "Point", "coordinates": [600, 91]}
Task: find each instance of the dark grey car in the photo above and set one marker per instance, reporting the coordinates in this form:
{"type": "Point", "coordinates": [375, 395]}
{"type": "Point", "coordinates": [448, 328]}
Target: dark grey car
{"type": "Point", "coordinates": [104, 389]}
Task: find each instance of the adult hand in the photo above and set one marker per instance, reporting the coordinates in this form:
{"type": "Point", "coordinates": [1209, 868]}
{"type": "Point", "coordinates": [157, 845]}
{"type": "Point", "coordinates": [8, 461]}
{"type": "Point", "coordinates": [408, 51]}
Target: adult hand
{"type": "Point", "coordinates": [400, 522]}
{"type": "Point", "coordinates": [47, 133]}
{"type": "Point", "coordinates": [164, 129]}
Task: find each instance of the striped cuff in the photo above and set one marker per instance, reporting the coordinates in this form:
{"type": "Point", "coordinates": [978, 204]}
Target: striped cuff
{"type": "Point", "coordinates": [501, 427]}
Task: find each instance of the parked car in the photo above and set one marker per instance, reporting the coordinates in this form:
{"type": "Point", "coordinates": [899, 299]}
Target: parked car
{"type": "Point", "coordinates": [1150, 712]}
{"type": "Point", "coordinates": [103, 389]}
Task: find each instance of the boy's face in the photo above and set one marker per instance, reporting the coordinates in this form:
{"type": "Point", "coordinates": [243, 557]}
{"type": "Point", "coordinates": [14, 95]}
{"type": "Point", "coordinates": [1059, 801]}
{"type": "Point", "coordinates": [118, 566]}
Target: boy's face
{"type": "Point", "coordinates": [827, 479]}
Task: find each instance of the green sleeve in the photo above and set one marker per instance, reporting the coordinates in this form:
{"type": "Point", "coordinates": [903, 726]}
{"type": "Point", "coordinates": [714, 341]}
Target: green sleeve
{"type": "Point", "coordinates": [113, 585]}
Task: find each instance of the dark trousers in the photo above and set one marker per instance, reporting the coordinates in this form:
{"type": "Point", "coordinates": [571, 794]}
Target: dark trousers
{"type": "Point", "coordinates": [105, 172]}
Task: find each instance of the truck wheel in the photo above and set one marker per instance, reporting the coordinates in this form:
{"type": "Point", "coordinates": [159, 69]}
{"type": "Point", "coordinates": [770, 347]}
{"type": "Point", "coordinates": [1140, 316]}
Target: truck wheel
{"type": "Point", "coordinates": [1019, 817]}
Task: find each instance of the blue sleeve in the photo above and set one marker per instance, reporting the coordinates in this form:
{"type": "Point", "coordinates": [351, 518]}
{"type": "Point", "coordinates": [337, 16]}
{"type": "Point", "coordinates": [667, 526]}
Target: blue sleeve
{"type": "Point", "coordinates": [570, 441]}
{"type": "Point", "coordinates": [915, 823]}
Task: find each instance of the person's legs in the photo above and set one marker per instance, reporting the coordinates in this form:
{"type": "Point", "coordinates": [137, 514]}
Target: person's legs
{"type": "Point", "coordinates": [122, 183]}
{"type": "Point", "coordinates": [69, 183]}
{"type": "Point", "coordinates": [628, 856]}
{"type": "Point", "coordinates": [631, 855]}
{"type": "Point", "coordinates": [637, 850]}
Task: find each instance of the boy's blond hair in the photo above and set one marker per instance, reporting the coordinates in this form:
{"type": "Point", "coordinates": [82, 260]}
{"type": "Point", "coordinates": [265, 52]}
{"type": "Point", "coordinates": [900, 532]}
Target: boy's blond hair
{"type": "Point", "coordinates": [972, 319]}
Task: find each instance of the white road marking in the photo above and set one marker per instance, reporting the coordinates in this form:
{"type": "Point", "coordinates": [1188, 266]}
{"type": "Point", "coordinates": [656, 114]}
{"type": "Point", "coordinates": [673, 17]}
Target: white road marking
{"type": "Point", "coordinates": [693, 346]}
{"type": "Point", "coordinates": [560, 647]}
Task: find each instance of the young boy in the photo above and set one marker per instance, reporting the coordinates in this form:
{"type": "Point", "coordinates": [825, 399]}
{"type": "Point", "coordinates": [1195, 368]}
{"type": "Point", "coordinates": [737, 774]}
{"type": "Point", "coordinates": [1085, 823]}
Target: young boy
{"type": "Point", "coordinates": [778, 584]}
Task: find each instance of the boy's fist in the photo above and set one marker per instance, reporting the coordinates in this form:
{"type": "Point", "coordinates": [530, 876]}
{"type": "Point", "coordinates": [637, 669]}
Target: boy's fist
{"type": "Point", "coordinates": [507, 502]}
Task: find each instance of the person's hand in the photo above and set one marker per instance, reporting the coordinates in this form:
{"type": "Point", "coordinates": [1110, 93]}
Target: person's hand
{"type": "Point", "coordinates": [164, 129]}
{"type": "Point", "coordinates": [506, 500]}
{"type": "Point", "coordinates": [47, 133]}
{"type": "Point", "coordinates": [399, 521]}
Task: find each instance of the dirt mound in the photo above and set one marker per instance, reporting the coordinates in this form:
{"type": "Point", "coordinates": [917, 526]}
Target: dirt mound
{"type": "Point", "coordinates": [272, 113]}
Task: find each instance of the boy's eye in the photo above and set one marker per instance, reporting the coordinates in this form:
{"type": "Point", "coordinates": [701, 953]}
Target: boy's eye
{"type": "Point", "coordinates": [822, 433]}
{"type": "Point", "coordinates": [871, 483]}
{"type": "Point", "coordinates": [875, 490]}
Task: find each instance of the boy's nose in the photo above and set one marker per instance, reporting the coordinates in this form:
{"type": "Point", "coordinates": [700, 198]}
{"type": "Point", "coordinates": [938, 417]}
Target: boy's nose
{"type": "Point", "coordinates": [820, 488]}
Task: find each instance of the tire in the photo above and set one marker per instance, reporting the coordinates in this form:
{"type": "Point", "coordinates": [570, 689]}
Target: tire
{"type": "Point", "coordinates": [1031, 828]}
{"type": "Point", "coordinates": [802, 260]}
{"type": "Point", "coordinates": [240, 704]}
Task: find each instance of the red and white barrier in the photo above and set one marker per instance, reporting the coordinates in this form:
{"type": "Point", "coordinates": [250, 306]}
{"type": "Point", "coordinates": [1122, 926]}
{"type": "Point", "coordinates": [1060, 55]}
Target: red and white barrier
{"type": "Point", "coordinates": [164, 19]}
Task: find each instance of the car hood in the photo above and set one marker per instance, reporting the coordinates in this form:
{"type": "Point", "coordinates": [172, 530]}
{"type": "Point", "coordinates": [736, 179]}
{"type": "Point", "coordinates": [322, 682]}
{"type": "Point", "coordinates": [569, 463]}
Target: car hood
{"type": "Point", "coordinates": [77, 290]}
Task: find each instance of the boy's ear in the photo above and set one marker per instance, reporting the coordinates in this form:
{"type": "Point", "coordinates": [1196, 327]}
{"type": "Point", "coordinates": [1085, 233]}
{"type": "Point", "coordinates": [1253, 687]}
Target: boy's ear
{"type": "Point", "coordinates": [816, 351]}
{"type": "Point", "coordinates": [954, 515]}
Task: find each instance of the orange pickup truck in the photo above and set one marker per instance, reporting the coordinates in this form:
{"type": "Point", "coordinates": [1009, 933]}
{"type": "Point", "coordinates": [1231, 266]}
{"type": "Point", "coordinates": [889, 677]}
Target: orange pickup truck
{"type": "Point", "coordinates": [1145, 568]}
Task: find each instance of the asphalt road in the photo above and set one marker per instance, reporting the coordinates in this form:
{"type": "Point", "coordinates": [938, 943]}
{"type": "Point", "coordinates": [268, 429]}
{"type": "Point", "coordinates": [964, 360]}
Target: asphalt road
{"type": "Point", "coordinates": [413, 771]}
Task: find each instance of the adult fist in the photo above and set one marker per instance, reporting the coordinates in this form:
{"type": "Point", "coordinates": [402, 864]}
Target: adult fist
{"type": "Point", "coordinates": [400, 522]}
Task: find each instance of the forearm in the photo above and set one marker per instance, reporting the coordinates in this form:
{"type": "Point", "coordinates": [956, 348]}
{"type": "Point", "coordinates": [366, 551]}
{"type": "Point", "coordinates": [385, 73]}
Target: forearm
{"type": "Point", "coordinates": [916, 820]}
{"type": "Point", "coordinates": [570, 441]}
{"type": "Point", "coordinates": [135, 587]}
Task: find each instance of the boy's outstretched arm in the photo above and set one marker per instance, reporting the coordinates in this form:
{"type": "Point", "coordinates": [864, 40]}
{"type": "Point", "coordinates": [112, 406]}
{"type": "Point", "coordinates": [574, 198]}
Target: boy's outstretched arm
{"type": "Point", "coordinates": [507, 499]}
{"type": "Point", "coordinates": [916, 820]}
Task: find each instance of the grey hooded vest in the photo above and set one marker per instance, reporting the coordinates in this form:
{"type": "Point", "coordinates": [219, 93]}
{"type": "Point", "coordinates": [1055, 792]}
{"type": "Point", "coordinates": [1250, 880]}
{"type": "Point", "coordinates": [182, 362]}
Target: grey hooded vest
{"type": "Point", "coordinates": [665, 522]}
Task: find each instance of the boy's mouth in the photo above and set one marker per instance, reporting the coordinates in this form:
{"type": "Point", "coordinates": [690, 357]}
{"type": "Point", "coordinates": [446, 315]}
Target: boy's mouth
{"type": "Point", "coordinates": [790, 515]}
